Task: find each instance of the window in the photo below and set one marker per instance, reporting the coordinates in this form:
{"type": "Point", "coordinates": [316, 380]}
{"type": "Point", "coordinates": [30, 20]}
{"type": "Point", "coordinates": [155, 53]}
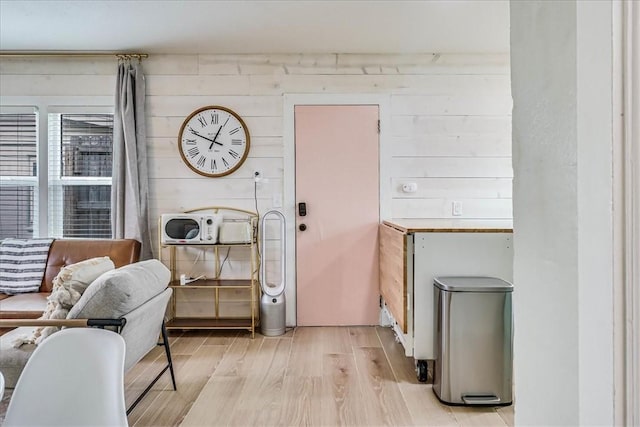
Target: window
{"type": "Point", "coordinates": [18, 175]}
{"type": "Point", "coordinates": [77, 163]}
{"type": "Point", "coordinates": [80, 159]}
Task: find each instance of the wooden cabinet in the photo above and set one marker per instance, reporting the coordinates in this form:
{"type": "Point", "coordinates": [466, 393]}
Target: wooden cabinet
{"type": "Point", "coordinates": [412, 253]}
{"type": "Point", "coordinates": [220, 292]}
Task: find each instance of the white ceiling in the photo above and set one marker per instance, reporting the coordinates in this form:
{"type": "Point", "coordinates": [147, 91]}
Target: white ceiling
{"type": "Point", "coordinates": [258, 26]}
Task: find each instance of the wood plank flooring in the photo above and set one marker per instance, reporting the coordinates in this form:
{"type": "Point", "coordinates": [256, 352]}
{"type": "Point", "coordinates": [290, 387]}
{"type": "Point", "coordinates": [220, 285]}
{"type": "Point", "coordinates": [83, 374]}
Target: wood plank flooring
{"type": "Point", "coordinates": [313, 376]}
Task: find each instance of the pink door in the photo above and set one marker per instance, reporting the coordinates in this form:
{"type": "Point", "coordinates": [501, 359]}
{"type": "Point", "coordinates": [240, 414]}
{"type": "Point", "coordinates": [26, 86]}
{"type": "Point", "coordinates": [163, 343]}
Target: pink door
{"type": "Point", "coordinates": [337, 178]}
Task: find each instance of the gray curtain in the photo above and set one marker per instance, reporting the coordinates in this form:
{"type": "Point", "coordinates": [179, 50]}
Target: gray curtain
{"type": "Point", "coordinates": [130, 187]}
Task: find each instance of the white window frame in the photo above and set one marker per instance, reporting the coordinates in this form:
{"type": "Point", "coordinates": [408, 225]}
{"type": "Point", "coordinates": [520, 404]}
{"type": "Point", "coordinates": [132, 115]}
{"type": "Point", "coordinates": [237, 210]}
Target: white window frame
{"type": "Point", "coordinates": [44, 105]}
{"type": "Point", "coordinates": [27, 181]}
{"type": "Point", "coordinates": [55, 200]}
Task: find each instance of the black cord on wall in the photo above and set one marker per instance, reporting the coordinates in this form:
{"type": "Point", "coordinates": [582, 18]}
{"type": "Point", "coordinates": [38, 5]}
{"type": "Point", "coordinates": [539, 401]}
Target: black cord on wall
{"type": "Point", "coordinates": [256, 231]}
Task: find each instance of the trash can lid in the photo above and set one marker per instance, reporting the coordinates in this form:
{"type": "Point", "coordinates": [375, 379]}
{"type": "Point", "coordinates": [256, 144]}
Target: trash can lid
{"type": "Point", "coordinates": [472, 284]}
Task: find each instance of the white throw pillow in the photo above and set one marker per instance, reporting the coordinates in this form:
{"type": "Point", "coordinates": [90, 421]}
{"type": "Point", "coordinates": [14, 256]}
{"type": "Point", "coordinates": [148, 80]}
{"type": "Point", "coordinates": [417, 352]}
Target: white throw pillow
{"type": "Point", "coordinates": [81, 274]}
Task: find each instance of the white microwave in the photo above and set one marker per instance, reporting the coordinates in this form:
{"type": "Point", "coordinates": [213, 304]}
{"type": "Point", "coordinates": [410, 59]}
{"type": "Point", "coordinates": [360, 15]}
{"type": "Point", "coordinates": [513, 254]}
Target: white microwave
{"type": "Point", "coordinates": [191, 229]}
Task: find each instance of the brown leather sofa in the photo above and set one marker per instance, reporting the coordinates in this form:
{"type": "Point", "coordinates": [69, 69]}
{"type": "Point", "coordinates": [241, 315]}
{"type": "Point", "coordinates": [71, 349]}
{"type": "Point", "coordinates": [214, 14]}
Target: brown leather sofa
{"type": "Point", "coordinates": [64, 252]}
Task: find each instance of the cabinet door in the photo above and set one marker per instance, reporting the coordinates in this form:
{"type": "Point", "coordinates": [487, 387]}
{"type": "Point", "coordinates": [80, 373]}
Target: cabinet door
{"type": "Point", "coordinates": [393, 273]}
{"type": "Point", "coordinates": [452, 254]}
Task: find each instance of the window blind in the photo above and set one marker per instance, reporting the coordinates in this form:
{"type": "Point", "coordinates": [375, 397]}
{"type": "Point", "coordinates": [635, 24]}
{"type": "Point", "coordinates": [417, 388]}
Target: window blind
{"type": "Point", "coordinates": [80, 161]}
{"type": "Point", "coordinates": [18, 174]}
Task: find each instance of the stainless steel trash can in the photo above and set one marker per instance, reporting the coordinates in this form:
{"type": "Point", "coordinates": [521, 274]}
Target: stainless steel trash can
{"type": "Point", "coordinates": [474, 340]}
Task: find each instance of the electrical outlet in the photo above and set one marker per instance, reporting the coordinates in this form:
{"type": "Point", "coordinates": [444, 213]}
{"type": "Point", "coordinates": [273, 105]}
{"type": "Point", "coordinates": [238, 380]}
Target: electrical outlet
{"type": "Point", "coordinates": [456, 208]}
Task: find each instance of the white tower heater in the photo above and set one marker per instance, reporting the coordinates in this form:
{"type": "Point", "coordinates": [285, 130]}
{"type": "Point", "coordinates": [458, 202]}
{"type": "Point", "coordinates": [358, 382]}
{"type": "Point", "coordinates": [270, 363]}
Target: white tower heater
{"type": "Point", "coordinates": [272, 303]}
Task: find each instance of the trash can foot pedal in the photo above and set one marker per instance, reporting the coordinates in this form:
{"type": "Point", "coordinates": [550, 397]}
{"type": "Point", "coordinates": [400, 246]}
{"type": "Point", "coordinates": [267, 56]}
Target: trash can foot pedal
{"type": "Point", "coordinates": [480, 399]}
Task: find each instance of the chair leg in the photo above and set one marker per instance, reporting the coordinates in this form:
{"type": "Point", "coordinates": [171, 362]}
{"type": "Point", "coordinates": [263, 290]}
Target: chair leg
{"type": "Point", "coordinates": [165, 340]}
{"type": "Point", "coordinates": [165, 343]}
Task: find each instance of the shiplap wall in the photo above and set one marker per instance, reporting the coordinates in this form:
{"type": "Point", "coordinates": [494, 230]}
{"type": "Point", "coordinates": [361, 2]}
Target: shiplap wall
{"type": "Point", "coordinates": [450, 122]}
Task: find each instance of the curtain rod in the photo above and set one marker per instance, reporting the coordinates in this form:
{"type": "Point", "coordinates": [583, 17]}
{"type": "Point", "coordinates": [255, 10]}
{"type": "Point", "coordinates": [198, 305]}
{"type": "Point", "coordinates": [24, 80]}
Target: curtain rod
{"type": "Point", "coordinates": [124, 55]}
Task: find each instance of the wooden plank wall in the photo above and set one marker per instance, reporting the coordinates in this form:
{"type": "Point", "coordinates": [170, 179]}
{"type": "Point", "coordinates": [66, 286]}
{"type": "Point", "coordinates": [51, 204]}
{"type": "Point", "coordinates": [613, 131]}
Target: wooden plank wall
{"type": "Point", "coordinates": [450, 123]}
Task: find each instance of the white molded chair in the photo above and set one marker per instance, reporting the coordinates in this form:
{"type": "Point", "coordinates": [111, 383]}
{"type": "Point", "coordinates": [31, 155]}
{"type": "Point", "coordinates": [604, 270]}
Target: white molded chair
{"type": "Point", "coordinates": [74, 378]}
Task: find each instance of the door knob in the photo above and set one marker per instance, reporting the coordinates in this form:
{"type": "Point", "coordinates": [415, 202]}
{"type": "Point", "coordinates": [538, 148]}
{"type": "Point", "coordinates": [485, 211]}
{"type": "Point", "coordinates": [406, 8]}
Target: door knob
{"type": "Point", "coordinates": [302, 227]}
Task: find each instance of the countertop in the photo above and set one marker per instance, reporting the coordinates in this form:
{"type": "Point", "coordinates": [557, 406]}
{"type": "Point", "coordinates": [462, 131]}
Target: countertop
{"type": "Point", "coordinates": [451, 225]}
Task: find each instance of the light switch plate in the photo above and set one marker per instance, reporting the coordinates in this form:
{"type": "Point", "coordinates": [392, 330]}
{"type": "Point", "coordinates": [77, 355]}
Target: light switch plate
{"type": "Point", "coordinates": [277, 200]}
{"type": "Point", "coordinates": [456, 208]}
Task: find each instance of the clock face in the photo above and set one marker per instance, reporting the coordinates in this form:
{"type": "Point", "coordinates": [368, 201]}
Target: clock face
{"type": "Point", "coordinates": [213, 141]}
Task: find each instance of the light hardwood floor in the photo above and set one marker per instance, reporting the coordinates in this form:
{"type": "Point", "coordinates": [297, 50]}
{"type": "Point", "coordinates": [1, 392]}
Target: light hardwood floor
{"type": "Point", "coordinates": [324, 376]}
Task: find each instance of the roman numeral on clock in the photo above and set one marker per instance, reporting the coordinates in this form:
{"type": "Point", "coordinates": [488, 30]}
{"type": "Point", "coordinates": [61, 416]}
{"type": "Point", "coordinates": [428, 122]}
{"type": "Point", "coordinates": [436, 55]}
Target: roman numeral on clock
{"type": "Point", "coordinates": [214, 119]}
{"type": "Point", "coordinates": [189, 141]}
{"type": "Point", "coordinates": [233, 131]}
{"type": "Point", "coordinates": [201, 161]}
{"type": "Point", "coordinates": [234, 154]}
{"type": "Point", "coordinates": [214, 167]}
{"type": "Point", "coordinates": [226, 164]}
{"type": "Point", "coordinates": [236, 142]}
{"type": "Point", "coordinates": [203, 121]}
{"type": "Point", "coordinates": [193, 151]}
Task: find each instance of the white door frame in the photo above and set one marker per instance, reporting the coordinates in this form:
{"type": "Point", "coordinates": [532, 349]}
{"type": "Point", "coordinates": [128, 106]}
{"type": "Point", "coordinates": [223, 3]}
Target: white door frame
{"type": "Point", "coordinates": [626, 75]}
{"type": "Point", "coordinates": [289, 173]}
{"type": "Point", "coordinates": [631, 185]}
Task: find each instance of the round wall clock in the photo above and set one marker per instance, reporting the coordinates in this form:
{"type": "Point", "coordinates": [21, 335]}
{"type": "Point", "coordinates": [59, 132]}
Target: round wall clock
{"type": "Point", "coordinates": [213, 141]}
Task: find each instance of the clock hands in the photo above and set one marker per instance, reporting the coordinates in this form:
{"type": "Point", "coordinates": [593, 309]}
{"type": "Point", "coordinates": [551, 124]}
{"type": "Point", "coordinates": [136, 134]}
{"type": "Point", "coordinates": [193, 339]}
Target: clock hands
{"type": "Point", "coordinates": [213, 141]}
{"type": "Point", "coordinates": [218, 133]}
{"type": "Point", "coordinates": [215, 137]}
